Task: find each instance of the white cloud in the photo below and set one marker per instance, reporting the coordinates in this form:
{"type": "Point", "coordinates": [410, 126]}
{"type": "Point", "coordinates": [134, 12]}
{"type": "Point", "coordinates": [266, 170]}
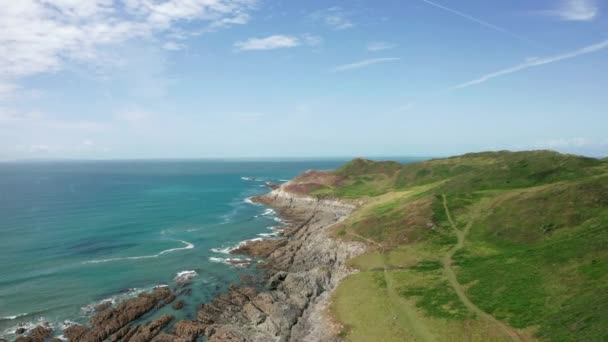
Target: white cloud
{"type": "Point", "coordinates": [173, 46]}
{"type": "Point", "coordinates": [38, 36]}
{"type": "Point", "coordinates": [380, 46]}
{"type": "Point", "coordinates": [575, 10]}
{"type": "Point", "coordinates": [535, 62]}
{"type": "Point", "coordinates": [268, 43]}
{"type": "Point", "coordinates": [363, 64]}
{"type": "Point", "coordinates": [334, 18]}
{"type": "Point", "coordinates": [7, 90]}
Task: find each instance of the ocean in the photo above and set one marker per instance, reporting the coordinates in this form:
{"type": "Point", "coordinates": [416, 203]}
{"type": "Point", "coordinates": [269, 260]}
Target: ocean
{"type": "Point", "coordinates": [75, 234]}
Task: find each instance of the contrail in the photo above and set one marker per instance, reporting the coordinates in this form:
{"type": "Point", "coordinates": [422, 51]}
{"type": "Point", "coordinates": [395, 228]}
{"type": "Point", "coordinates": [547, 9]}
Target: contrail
{"type": "Point", "coordinates": [479, 21]}
{"type": "Point", "coordinates": [536, 62]}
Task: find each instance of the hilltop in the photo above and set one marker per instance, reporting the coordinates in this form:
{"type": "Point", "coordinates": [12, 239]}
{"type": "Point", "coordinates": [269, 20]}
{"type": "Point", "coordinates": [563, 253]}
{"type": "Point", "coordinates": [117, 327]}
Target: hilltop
{"type": "Point", "coordinates": [483, 246]}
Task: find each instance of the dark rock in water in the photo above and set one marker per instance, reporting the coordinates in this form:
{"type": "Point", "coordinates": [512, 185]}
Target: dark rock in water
{"type": "Point", "coordinates": [178, 305]}
{"type": "Point", "coordinates": [19, 331]}
{"type": "Point", "coordinates": [113, 320]}
{"type": "Point", "coordinates": [23, 339]}
{"type": "Point", "coordinates": [170, 299]}
{"type": "Point", "coordinates": [55, 339]}
{"type": "Point", "coordinates": [40, 333]}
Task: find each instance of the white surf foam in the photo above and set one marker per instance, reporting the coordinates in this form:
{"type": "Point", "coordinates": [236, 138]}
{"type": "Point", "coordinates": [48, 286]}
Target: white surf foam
{"type": "Point", "coordinates": [10, 318]}
{"type": "Point", "coordinates": [269, 212]}
{"type": "Point", "coordinates": [227, 250]}
{"type": "Point", "coordinates": [188, 246]}
{"type": "Point", "coordinates": [249, 200]}
{"type": "Point", "coordinates": [234, 262]}
{"type": "Point", "coordinates": [185, 276]}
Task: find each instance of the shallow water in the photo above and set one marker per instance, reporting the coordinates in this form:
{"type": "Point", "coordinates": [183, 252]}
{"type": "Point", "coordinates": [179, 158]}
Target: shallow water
{"type": "Point", "coordinates": [73, 234]}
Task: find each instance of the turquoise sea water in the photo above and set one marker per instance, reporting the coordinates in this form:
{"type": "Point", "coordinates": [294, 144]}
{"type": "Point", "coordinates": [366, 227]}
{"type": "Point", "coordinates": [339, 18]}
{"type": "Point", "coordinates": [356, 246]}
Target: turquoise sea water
{"type": "Point", "coordinates": [73, 234]}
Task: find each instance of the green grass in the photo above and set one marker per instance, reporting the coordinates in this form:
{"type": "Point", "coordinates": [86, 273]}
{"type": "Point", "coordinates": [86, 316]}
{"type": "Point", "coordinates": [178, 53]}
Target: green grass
{"type": "Point", "coordinates": [438, 300]}
{"type": "Point", "coordinates": [536, 256]}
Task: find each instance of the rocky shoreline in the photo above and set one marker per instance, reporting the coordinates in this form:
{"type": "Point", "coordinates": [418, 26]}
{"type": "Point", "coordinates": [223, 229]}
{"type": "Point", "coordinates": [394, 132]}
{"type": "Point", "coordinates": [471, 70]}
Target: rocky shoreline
{"type": "Point", "coordinates": [301, 269]}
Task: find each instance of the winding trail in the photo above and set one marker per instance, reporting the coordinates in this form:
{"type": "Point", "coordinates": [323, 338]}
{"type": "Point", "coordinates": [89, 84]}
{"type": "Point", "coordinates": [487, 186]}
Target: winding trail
{"type": "Point", "coordinates": [451, 275]}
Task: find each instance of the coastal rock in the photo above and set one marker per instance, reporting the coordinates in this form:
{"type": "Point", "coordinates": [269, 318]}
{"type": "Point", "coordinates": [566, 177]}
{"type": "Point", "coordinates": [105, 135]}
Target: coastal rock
{"type": "Point", "coordinates": [23, 339]}
{"type": "Point", "coordinates": [259, 248]}
{"type": "Point", "coordinates": [188, 330]}
{"type": "Point", "coordinates": [178, 305]}
{"type": "Point", "coordinates": [74, 332]}
{"type": "Point", "coordinates": [40, 333]}
{"type": "Point", "coordinates": [112, 320]}
{"type": "Point", "coordinates": [147, 332]}
{"type": "Point", "coordinates": [164, 337]}
{"type": "Point", "coordinates": [102, 306]}
{"type": "Point", "coordinates": [302, 270]}
{"type": "Point", "coordinates": [19, 331]}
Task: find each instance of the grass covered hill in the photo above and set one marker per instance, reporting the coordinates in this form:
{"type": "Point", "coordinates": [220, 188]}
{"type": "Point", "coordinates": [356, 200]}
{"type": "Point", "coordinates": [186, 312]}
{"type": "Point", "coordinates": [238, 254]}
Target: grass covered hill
{"type": "Point", "coordinates": [483, 246]}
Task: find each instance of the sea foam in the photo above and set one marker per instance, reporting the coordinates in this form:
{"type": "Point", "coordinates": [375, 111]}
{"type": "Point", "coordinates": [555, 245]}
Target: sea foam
{"type": "Point", "coordinates": [187, 244]}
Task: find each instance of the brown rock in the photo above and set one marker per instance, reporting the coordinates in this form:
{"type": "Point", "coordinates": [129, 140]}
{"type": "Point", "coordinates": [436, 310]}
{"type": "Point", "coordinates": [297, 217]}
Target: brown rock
{"type": "Point", "coordinates": [188, 330]}
{"type": "Point", "coordinates": [40, 333]}
{"type": "Point", "coordinates": [111, 320]}
{"type": "Point", "coordinates": [147, 332]}
{"type": "Point", "coordinates": [260, 248]}
{"type": "Point", "coordinates": [103, 306]}
{"type": "Point", "coordinates": [164, 337]}
{"type": "Point", "coordinates": [178, 305]}
{"type": "Point", "coordinates": [23, 339]}
{"type": "Point", "coordinates": [74, 332]}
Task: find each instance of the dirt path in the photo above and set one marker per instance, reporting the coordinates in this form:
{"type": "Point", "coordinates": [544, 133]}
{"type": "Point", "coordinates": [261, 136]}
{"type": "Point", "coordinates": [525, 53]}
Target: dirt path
{"type": "Point", "coordinates": [404, 314]}
{"type": "Point", "coordinates": [451, 275]}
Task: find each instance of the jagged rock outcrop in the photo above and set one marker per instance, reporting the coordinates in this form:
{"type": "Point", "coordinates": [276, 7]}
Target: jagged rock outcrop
{"type": "Point", "coordinates": [112, 322]}
{"type": "Point", "coordinates": [302, 272]}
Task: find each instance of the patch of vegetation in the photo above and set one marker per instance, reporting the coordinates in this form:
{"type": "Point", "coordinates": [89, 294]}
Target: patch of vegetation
{"type": "Point", "coordinates": [379, 279]}
{"type": "Point", "coordinates": [438, 300]}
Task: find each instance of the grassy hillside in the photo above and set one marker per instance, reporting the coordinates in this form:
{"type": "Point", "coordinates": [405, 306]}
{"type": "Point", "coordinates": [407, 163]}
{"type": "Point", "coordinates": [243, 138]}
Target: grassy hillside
{"type": "Point", "coordinates": [484, 246]}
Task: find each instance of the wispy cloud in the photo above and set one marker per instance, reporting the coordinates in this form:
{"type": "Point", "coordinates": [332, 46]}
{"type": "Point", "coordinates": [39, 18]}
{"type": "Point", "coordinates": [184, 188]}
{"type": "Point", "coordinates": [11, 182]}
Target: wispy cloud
{"type": "Point", "coordinates": [575, 10]}
{"type": "Point", "coordinates": [334, 17]}
{"type": "Point", "coordinates": [39, 36]}
{"type": "Point", "coordinates": [535, 63]}
{"type": "Point", "coordinates": [268, 43]}
{"type": "Point", "coordinates": [363, 64]}
{"type": "Point", "coordinates": [380, 46]}
{"type": "Point", "coordinates": [477, 20]}
{"type": "Point", "coordinates": [173, 46]}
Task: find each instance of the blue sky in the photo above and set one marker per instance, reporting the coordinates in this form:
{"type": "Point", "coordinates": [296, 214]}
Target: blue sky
{"type": "Point", "coordinates": [108, 79]}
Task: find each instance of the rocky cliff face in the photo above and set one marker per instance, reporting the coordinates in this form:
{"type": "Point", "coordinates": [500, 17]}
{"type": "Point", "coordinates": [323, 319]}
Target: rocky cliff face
{"type": "Point", "coordinates": [302, 269]}
{"type": "Point", "coordinates": [302, 273]}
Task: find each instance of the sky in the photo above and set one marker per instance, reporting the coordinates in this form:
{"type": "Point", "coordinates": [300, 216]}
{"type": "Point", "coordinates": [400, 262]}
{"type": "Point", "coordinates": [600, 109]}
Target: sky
{"type": "Point", "coordinates": [125, 79]}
